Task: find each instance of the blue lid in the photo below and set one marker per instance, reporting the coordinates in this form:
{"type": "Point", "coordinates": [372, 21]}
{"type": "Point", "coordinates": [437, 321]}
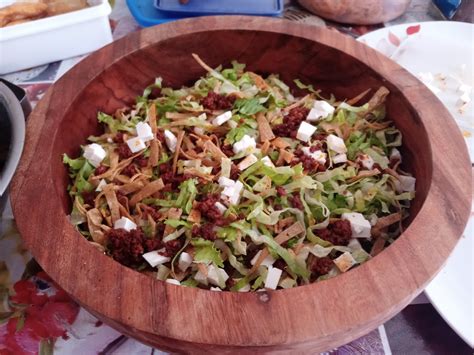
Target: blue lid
{"type": "Point", "coordinates": [214, 7]}
{"type": "Point", "coordinates": [146, 14]}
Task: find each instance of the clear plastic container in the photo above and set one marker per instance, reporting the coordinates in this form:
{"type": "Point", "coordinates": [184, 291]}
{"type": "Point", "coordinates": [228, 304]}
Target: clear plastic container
{"type": "Point", "coordinates": [55, 38]}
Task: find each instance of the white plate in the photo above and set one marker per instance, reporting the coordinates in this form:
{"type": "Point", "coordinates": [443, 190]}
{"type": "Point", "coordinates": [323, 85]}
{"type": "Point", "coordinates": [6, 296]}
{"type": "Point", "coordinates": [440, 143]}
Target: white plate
{"type": "Point", "coordinates": [444, 48]}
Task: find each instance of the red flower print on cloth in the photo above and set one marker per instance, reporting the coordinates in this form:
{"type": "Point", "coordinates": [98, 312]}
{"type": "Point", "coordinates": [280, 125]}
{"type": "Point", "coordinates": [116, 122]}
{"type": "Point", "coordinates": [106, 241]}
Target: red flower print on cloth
{"type": "Point", "coordinates": [43, 312]}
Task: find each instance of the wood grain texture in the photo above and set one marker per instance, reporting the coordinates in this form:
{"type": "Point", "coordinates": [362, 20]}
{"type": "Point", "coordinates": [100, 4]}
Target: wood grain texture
{"type": "Point", "coordinates": [360, 12]}
{"type": "Point", "coordinates": [312, 318]}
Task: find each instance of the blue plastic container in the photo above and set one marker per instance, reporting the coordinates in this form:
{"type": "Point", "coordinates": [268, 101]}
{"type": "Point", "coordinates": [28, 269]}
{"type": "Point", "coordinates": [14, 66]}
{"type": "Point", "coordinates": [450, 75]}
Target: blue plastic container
{"type": "Point", "coordinates": [220, 7]}
{"type": "Point", "coordinates": [146, 14]}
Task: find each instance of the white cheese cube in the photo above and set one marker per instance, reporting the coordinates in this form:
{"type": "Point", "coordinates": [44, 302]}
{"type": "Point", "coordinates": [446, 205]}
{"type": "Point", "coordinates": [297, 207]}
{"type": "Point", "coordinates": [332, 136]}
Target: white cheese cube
{"type": "Point", "coordinates": [246, 145]}
{"type": "Point", "coordinates": [321, 109]}
{"type": "Point", "coordinates": [94, 154]}
{"type": "Point", "coordinates": [336, 144]}
{"type": "Point", "coordinates": [237, 191]}
{"type": "Point", "coordinates": [359, 225]}
{"type": "Point", "coordinates": [267, 161]}
{"type": "Point", "coordinates": [136, 144]}
{"type": "Point", "coordinates": [247, 162]}
{"type": "Point", "coordinates": [144, 131]}
{"type": "Point", "coordinates": [102, 183]}
{"type": "Point", "coordinates": [339, 158]}
{"type": "Point", "coordinates": [366, 161]}
{"type": "Point", "coordinates": [305, 131]}
{"type": "Point", "coordinates": [273, 277]}
{"type": "Point", "coordinates": [216, 276]}
{"type": "Point", "coordinates": [395, 154]}
{"type": "Point", "coordinates": [245, 288]}
{"type": "Point", "coordinates": [215, 289]}
{"type": "Point", "coordinates": [154, 258]}
{"type": "Point", "coordinates": [173, 282]}
{"type": "Point", "coordinates": [317, 155]}
{"type": "Point", "coordinates": [345, 261]}
{"type": "Point", "coordinates": [220, 207]}
{"type": "Point", "coordinates": [268, 261]}
{"type": "Point", "coordinates": [184, 261]}
{"type": "Point", "coordinates": [201, 278]}
{"type": "Point", "coordinates": [405, 183]}
{"type": "Point", "coordinates": [171, 140]}
{"type": "Point", "coordinates": [219, 120]}
{"type": "Point", "coordinates": [225, 182]}
{"type": "Point", "coordinates": [125, 223]}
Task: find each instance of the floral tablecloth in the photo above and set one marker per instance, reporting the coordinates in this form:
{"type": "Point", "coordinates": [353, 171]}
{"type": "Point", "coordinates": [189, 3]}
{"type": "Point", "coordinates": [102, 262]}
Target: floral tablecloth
{"type": "Point", "coordinates": [36, 316]}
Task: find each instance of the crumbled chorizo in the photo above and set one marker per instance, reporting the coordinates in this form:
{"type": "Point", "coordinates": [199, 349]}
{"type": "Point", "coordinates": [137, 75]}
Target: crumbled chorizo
{"type": "Point", "coordinates": [124, 151]}
{"type": "Point", "coordinates": [205, 231]}
{"type": "Point", "coordinates": [128, 247]}
{"type": "Point", "coordinates": [215, 101]}
{"type": "Point", "coordinates": [291, 122]}
{"type": "Point", "coordinates": [337, 233]}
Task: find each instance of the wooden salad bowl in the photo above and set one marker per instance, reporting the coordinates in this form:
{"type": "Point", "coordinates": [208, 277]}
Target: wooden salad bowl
{"type": "Point", "coordinates": [312, 318]}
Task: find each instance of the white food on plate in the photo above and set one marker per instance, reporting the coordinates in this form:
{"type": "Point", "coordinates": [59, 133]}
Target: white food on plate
{"type": "Point", "coordinates": [360, 226]}
{"type": "Point", "coordinates": [405, 184]}
{"type": "Point", "coordinates": [173, 282]}
{"type": "Point", "coordinates": [125, 223]}
{"type": "Point", "coordinates": [273, 277]}
{"type": "Point", "coordinates": [144, 131]}
{"type": "Point", "coordinates": [320, 110]}
{"type": "Point", "coordinates": [94, 153]}
{"type": "Point", "coordinates": [317, 155]}
{"type": "Point", "coordinates": [102, 183]}
{"type": "Point", "coordinates": [219, 120]}
{"type": "Point", "coordinates": [171, 140]}
{"type": "Point", "coordinates": [185, 260]}
{"type": "Point", "coordinates": [154, 258]}
{"type": "Point", "coordinates": [246, 145]}
{"type": "Point", "coordinates": [339, 158]}
{"type": "Point", "coordinates": [136, 144]}
{"type": "Point", "coordinates": [267, 161]}
{"type": "Point", "coordinates": [336, 144]}
{"type": "Point", "coordinates": [305, 131]}
{"type": "Point", "coordinates": [345, 261]}
{"type": "Point", "coordinates": [267, 261]}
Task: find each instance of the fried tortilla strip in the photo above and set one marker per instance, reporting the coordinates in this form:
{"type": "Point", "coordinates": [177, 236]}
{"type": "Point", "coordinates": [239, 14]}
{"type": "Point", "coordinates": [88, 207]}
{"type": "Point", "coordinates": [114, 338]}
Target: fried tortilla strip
{"type": "Point", "coordinates": [152, 118]}
{"type": "Point", "coordinates": [296, 104]}
{"type": "Point", "coordinates": [177, 151]}
{"type": "Point", "coordinates": [147, 191]}
{"type": "Point", "coordinates": [290, 232]}
{"type": "Point", "coordinates": [265, 147]}
{"type": "Point", "coordinates": [194, 216]}
{"type": "Point", "coordinates": [378, 246]}
{"type": "Point", "coordinates": [214, 150]}
{"type": "Point", "coordinates": [364, 174]}
{"type": "Point", "coordinates": [266, 133]}
{"type": "Point", "coordinates": [280, 143]}
{"type": "Point", "coordinates": [286, 156]}
{"type": "Point", "coordinates": [386, 221]}
{"type": "Point", "coordinates": [154, 153]}
{"type": "Point", "coordinates": [21, 11]}
{"type": "Point", "coordinates": [359, 97]}
{"type": "Point", "coordinates": [179, 115]}
{"type": "Point", "coordinates": [112, 201]}
{"type": "Point", "coordinates": [258, 80]}
{"type": "Point", "coordinates": [376, 100]}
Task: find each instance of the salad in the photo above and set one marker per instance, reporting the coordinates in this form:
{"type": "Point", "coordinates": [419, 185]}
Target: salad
{"type": "Point", "coordinates": [238, 184]}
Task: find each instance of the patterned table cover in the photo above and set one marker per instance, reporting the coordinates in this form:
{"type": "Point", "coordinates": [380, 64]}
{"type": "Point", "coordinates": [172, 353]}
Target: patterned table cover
{"type": "Point", "coordinates": [36, 316]}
